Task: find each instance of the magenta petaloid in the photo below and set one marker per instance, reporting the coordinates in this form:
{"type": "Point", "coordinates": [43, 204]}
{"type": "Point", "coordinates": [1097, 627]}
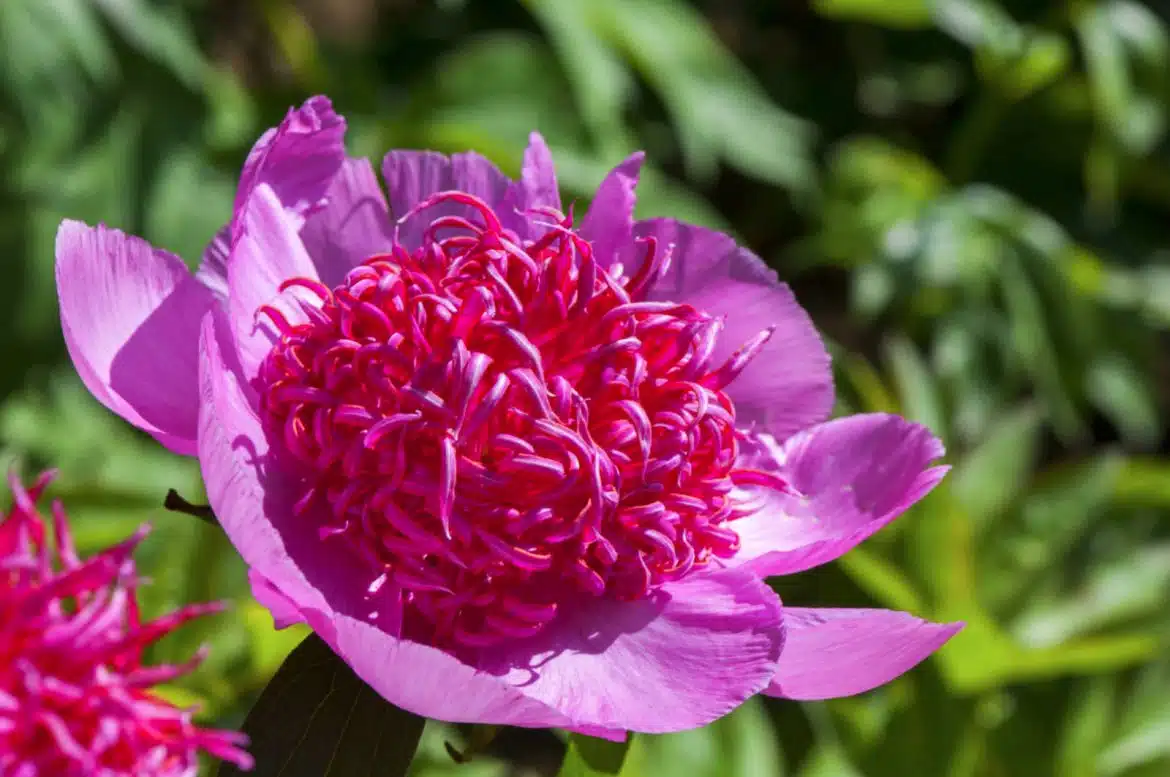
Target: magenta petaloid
{"type": "Point", "coordinates": [503, 427]}
{"type": "Point", "coordinates": [75, 695]}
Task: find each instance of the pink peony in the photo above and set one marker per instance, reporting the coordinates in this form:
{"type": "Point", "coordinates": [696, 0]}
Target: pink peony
{"type": "Point", "coordinates": [75, 697]}
{"type": "Point", "coordinates": [514, 468]}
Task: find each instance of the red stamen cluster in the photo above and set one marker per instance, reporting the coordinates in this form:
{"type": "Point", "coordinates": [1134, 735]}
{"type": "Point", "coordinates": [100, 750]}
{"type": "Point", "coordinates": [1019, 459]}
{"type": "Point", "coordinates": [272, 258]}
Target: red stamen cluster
{"type": "Point", "coordinates": [499, 427]}
{"type": "Point", "coordinates": [74, 694]}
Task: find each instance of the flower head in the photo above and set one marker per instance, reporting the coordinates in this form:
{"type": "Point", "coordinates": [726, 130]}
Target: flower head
{"type": "Point", "coordinates": [75, 696]}
{"type": "Point", "coordinates": [500, 427]}
{"type": "Point", "coordinates": [514, 466]}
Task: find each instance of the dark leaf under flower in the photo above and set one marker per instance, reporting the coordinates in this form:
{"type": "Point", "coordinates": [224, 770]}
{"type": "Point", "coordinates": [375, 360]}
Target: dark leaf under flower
{"type": "Point", "coordinates": [316, 718]}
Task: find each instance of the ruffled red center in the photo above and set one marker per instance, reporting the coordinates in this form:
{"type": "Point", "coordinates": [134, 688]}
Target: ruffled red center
{"type": "Point", "coordinates": [74, 694]}
{"type": "Point", "coordinates": [499, 427]}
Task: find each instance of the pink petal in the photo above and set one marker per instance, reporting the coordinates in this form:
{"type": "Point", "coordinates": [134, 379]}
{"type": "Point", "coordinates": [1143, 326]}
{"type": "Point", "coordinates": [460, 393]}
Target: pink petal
{"type": "Point", "coordinates": [303, 161]}
{"type": "Point", "coordinates": [353, 226]}
{"type": "Point", "coordinates": [266, 253]}
{"type": "Point", "coordinates": [213, 272]}
{"type": "Point", "coordinates": [611, 734]}
{"type": "Point", "coordinates": [427, 681]}
{"type": "Point", "coordinates": [284, 611]}
{"type": "Point", "coordinates": [853, 476]}
{"type": "Point", "coordinates": [321, 582]}
{"type": "Point", "coordinates": [832, 653]}
{"type": "Point", "coordinates": [699, 649]}
{"type": "Point", "coordinates": [297, 159]}
{"type": "Point", "coordinates": [537, 188]}
{"type": "Point", "coordinates": [788, 386]}
{"type": "Point", "coordinates": [251, 496]}
{"type": "Point", "coordinates": [130, 315]}
{"type": "Point", "coordinates": [609, 223]}
{"type": "Point", "coordinates": [412, 176]}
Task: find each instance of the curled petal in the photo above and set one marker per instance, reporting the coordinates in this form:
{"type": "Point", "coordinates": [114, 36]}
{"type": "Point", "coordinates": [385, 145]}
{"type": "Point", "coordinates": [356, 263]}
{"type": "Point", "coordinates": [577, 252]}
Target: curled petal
{"type": "Point", "coordinates": [130, 314]}
{"type": "Point", "coordinates": [832, 653]}
{"type": "Point", "coordinates": [297, 160]}
{"type": "Point", "coordinates": [609, 224]}
{"type": "Point", "coordinates": [537, 188]}
{"type": "Point", "coordinates": [284, 611]}
{"type": "Point", "coordinates": [353, 225]}
{"type": "Point", "coordinates": [847, 478]}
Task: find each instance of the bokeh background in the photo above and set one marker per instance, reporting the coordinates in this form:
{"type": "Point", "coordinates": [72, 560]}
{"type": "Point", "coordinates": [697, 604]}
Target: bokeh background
{"type": "Point", "coordinates": [972, 198]}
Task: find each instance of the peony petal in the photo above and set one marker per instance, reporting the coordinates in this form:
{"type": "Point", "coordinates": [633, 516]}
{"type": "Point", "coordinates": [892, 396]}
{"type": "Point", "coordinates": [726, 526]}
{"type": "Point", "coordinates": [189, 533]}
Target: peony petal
{"type": "Point", "coordinates": [284, 611]}
{"type": "Point", "coordinates": [412, 176]}
{"type": "Point", "coordinates": [253, 500]}
{"type": "Point", "coordinates": [213, 272]}
{"type": "Point", "coordinates": [266, 253]}
{"type": "Point", "coordinates": [833, 653]}
{"type": "Point", "coordinates": [788, 386]}
{"type": "Point", "coordinates": [611, 734]}
{"type": "Point", "coordinates": [609, 223]}
{"type": "Point", "coordinates": [699, 649]}
{"type": "Point", "coordinates": [353, 226]}
{"type": "Point", "coordinates": [853, 476]}
{"type": "Point", "coordinates": [251, 496]}
{"type": "Point", "coordinates": [130, 315]}
{"type": "Point", "coordinates": [427, 681]}
{"type": "Point", "coordinates": [297, 159]}
{"type": "Point", "coordinates": [537, 188]}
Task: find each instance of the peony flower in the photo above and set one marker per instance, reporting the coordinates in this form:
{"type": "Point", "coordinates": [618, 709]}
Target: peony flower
{"type": "Point", "coordinates": [514, 467]}
{"type": "Point", "coordinates": [75, 696]}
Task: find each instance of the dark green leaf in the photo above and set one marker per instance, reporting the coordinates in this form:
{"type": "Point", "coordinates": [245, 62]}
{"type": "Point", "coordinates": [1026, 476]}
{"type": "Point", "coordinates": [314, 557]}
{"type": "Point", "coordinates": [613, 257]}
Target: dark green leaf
{"type": "Point", "coordinates": [316, 718]}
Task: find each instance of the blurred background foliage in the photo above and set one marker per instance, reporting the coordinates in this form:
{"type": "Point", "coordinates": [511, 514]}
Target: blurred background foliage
{"type": "Point", "coordinates": [970, 197]}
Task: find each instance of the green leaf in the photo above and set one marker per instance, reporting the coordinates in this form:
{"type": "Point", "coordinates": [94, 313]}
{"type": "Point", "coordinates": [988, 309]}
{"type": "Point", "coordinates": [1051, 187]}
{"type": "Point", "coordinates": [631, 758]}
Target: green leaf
{"type": "Point", "coordinates": [1131, 588]}
{"type": "Point", "coordinates": [1034, 347]}
{"type": "Point", "coordinates": [1143, 482]}
{"type": "Point", "coordinates": [1122, 392]}
{"type": "Point", "coordinates": [1057, 513]}
{"type": "Point", "coordinates": [600, 80]}
{"type": "Point", "coordinates": [882, 580]}
{"type": "Point", "coordinates": [1144, 744]}
{"type": "Point", "coordinates": [159, 34]}
{"type": "Point", "coordinates": [593, 757]}
{"type": "Point", "coordinates": [920, 395]}
{"type": "Point", "coordinates": [718, 108]}
{"type": "Point", "coordinates": [983, 657]}
{"type": "Point", "coordinates": [1086, 726]}
{"type": "Point", "coordinates": [992, 476]}
{"type": "Point", "coordinates": [828, 761]}
{"type": "Point", "coordinates": [741, 744]}
{"type": "Point", "coordinates": [898, 14]}
{"type": "Point", "coordinates": [1044, 59]}
{"type": "Point", "coordinates": [316, 718]}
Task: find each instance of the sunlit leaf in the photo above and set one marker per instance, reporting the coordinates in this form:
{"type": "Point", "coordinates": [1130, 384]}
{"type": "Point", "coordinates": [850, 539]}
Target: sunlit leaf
{"type": "Point", "coordinates": [592, 757]}
{"type": "Point", "coordinates": [1116, 593]}
{"type": "Point", "coordinates": [988, 478]}
{"type": "Point", "coordinates": [900, 14]}
{"type": "Point", "coordinates": [1089, 718]}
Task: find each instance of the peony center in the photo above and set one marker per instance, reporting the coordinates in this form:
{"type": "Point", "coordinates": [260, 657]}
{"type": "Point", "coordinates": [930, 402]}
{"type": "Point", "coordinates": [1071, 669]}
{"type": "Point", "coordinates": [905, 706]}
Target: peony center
{"type": "Point", "coordinates": [500, 427]}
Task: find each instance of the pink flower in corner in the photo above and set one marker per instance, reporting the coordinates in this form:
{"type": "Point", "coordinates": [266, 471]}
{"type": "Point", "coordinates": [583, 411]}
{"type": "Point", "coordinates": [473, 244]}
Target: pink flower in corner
{"type": "Point", "coordinates": [514, 468]}
{"type": "Point", "coordinates": [75, 697]}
